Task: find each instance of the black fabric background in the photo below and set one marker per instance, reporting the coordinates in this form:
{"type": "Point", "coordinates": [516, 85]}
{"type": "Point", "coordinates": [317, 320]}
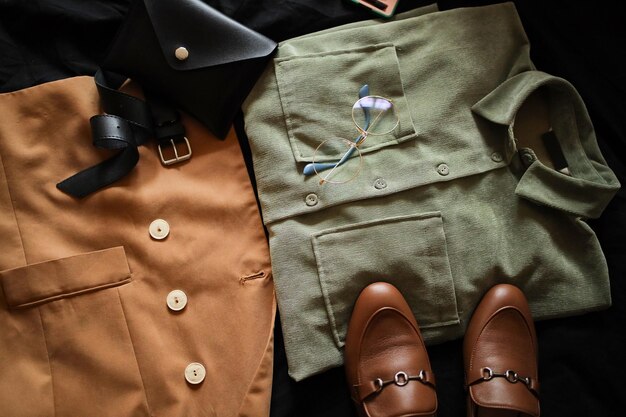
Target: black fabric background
{"type": "Point", "coordinates": [582, 361]}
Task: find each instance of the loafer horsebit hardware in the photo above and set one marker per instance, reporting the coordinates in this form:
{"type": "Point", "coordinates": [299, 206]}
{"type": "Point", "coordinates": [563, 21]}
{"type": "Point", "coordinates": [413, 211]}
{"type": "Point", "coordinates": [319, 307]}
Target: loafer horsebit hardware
{"type": "Point", "coordinates": [400, 379]}
{"type": "Point", "coordinates": [509, 375]}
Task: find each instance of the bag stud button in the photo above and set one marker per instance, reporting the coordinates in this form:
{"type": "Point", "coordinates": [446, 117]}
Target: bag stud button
{"type": "Point", "coordinates": [181, 53]}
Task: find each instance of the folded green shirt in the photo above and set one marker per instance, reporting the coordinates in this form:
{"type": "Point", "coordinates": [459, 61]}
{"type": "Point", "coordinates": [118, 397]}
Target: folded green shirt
{"type": "Point", "coordinates": [445, 206]}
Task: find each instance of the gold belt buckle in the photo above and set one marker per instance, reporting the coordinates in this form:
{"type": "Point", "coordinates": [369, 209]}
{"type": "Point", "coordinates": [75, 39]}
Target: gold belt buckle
{"type": "Point", "coordinates": [177, 158]}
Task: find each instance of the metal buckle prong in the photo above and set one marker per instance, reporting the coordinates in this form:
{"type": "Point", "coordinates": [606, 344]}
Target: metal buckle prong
{"type": "Point", "coordinates": [177, 158]}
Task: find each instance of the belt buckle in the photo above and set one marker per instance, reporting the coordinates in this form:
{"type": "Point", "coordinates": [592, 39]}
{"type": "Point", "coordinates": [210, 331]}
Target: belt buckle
{"type": "Point", "coordinates": [177, 158]}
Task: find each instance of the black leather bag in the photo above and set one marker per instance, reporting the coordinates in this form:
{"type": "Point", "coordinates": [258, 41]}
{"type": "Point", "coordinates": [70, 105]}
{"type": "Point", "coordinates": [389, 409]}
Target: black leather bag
{"type": "Point", "coordinates": [192, 56]}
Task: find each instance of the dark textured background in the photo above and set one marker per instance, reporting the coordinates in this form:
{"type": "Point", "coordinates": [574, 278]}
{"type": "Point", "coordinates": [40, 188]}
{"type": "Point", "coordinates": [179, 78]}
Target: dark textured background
{"type": "Point", "coordinates": [582, 360]}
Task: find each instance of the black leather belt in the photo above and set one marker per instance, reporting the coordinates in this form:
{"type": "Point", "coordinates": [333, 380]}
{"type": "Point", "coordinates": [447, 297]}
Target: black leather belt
{"type": "Point", "coordinates": [128, 123]}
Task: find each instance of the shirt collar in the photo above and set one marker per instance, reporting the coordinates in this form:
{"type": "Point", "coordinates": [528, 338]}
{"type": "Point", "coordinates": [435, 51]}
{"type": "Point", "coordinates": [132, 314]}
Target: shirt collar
{"type": "Point", "coordinates": [592, 184]}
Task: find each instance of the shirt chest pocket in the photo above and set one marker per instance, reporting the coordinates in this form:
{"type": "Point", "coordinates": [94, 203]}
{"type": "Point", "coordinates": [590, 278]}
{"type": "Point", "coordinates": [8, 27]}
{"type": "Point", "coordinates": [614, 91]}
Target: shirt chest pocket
{"type": "Point", "coordinates": [317, 93]}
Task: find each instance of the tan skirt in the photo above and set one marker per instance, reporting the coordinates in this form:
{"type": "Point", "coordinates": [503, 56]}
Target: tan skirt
{"type": "Point", "coordinates": [151, 297]}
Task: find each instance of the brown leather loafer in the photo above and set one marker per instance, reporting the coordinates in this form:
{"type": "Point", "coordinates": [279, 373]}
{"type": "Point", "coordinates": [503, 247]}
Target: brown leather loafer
{"type": "Point", "coordinates": [386, 363]}
{"type": "Point", "coordinates": [500, 355]}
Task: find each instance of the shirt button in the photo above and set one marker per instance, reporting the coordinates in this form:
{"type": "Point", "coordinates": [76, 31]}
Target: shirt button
{"type": "Point", "coordinates": [311, 200]}
{"type": "Point", "coordinates": [176, 300]}
{"type": "Point", "coordinates": [195, 373]}
{"type": "Point", "coordinates": [380, 183]}
{"type": "Point", "coordinates": [443, 169]}
{"type": "Point", "coordinates": [528, 158]}
{"type": "Point", "coordinates": [496, 157]}
{"type": "Point", "coordinates": [181, 53]}
{"type": "Point", "coordinates": [159, 229]}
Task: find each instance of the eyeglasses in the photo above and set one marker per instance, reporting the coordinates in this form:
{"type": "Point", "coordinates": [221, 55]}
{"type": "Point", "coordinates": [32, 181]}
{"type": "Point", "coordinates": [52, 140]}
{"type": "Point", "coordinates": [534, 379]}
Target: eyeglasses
{"type": "Point", "coordinates": [339, 160]}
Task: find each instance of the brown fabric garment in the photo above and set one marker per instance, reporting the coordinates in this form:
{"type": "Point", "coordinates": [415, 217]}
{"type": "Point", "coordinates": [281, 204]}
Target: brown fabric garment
{"type": "Point", "coordinates": [86, 330]}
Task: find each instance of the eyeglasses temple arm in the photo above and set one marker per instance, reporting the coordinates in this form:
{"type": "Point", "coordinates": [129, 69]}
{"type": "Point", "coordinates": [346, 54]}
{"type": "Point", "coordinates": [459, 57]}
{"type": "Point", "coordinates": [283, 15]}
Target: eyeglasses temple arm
{"type": "Point", "coordinates": [343, 159]}
{"type": "Point", "coordinates": [311, 168]}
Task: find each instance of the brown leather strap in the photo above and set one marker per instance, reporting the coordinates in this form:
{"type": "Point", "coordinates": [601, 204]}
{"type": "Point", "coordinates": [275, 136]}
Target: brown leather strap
{"type": "Point", "coordinates": [362, 391]}
{"type": "Point", "coordinates": [485, 374]}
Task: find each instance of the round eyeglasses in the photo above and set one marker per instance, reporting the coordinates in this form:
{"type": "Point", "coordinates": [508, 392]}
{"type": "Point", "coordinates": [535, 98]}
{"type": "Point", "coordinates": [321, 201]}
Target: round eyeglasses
{"type": "Point", "coordinates": [339, 160]}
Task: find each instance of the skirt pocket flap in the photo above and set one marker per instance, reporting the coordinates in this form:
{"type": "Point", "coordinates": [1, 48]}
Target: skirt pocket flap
{"type": "Point", "coordinates": [41, 282]}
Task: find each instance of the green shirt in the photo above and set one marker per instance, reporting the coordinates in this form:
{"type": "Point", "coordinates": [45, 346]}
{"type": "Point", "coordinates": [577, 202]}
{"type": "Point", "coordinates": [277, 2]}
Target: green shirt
{"type": "Point", "coordinates": [445, 206]}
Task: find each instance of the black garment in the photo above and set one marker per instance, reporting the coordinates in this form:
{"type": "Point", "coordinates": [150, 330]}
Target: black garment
{"type": "Point", "coordinates": [582, 360]}
{"type": "Point", "coordinates": [47, 40]}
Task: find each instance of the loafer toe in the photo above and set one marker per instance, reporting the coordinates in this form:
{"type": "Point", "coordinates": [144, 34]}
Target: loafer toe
{"type": "Point", "coordinates": [500, 355]}
{"type": "Point", "coordinates": [387, 366]}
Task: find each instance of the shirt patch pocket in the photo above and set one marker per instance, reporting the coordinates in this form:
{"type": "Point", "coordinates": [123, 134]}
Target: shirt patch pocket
{"type": "Point", "coordinates": [407, 251]}
{"type": "Point", "coordinates": [317, 92]}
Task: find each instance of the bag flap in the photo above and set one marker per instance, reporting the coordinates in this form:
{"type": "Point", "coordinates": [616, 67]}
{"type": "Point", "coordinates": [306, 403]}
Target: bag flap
{"type": "Point", "coordinates": [209, 37]}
